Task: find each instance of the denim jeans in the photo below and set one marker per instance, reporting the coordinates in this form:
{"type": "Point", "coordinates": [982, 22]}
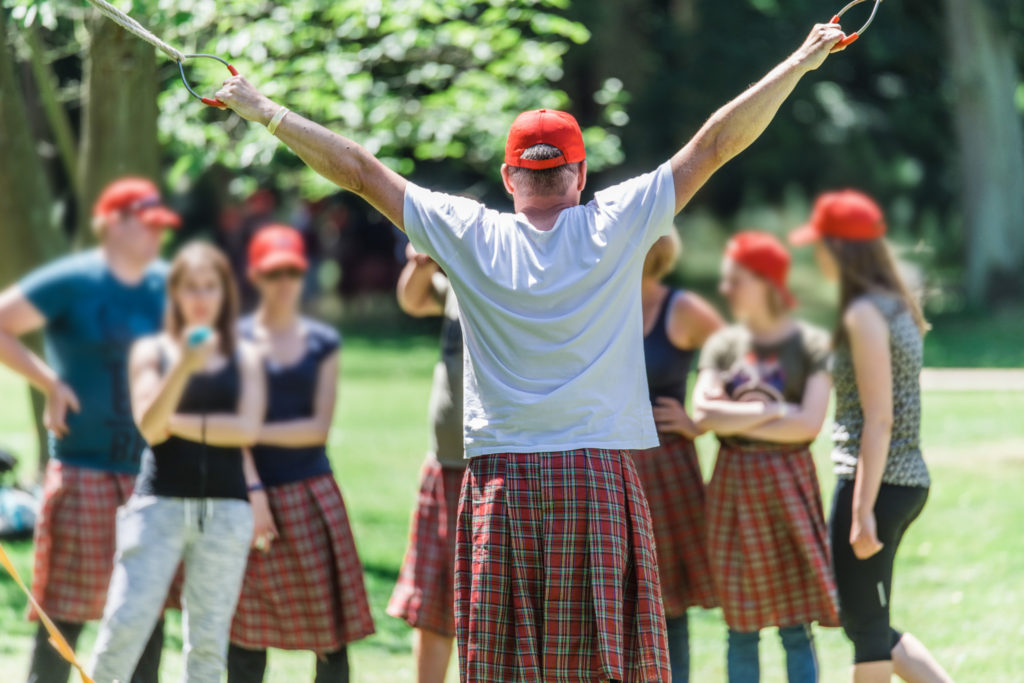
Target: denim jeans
{"type": "Point", "coordinates": [797, 641]}
{"type": "Point", "coordinates": [155, 534]}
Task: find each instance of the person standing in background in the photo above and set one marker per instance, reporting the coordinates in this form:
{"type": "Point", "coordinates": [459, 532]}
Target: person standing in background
{"type": "Point", "coordinates": [92, 307]}
{"type": "Point", "coordinates": [676, 324]}
{"type": "Point", "coordinates": [198, 396]}
{"type": "Point", "coordinates": [883, 481]}
{"type": "Point", "coordinates": [424, 596]}
{"type": "Point", "coordinates": [303, 587]}
{"type": "Point", "coordinates": [763, 389]}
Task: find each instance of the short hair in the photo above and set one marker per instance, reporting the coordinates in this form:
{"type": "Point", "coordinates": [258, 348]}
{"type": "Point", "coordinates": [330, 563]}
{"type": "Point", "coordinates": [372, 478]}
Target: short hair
{"type": "Point", "coordinates": [547, 181]}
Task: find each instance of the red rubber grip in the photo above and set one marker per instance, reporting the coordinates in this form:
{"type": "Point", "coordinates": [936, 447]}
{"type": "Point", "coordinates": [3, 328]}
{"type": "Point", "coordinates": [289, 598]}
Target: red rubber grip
{"type": "Point", "coordinates": [835, 19]}
{"type": "Point", "coordinates": [214, 102]}
{"type": "Point", "coordinates": [845, 42]}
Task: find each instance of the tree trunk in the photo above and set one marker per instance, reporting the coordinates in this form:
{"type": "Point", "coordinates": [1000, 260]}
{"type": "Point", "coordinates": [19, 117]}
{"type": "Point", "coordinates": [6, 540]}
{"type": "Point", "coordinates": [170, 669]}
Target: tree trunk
{"type": "Point", "coordinates": [990, 145]}
{"type": "Point", "coordinates": [119, 120]}
{"type": "Point", "coordinates": [29, 234]}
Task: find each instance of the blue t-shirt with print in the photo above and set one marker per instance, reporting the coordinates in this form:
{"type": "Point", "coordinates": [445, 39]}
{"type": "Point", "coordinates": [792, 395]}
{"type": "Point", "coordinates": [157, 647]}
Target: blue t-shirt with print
{"type": "Point", "coordinates": [92, 319]}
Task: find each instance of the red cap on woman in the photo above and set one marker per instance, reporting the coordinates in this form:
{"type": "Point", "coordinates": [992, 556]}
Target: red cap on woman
{"type": "Point", "coordinates": [765, 256]}
{"type": "Point", "coordinates": [846, 215]}
{"type": "Point", "coordinates": [277, 246]}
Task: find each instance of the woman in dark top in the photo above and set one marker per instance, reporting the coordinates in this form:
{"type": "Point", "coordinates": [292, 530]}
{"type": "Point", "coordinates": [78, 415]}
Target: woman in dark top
{"type": "Point", "coordinates": [676, 323]}
{"type": "Point", "coordinates": [303, 589]}
{"type": "Point", "coordinates": [197, 397]}
{"type": "Point", "coordinates": [763, 389]}
{"type": "Point", "coordinates": [883, 480]}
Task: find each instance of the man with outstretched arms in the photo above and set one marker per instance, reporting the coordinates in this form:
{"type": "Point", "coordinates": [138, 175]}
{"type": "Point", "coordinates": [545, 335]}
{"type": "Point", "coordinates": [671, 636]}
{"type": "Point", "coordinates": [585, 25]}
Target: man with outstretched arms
{"type": "Point", "coordinates": [556, 577]}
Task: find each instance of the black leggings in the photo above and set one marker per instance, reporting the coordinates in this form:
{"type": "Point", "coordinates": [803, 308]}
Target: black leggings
{"type": "Point", "coordinates": [249, 666]}
{"type": "Point", "coordinates": [865, 586]}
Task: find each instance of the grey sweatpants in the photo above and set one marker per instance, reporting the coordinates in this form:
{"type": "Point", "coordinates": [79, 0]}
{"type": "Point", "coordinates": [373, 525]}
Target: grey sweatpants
{"type": "Point", "coordinates": [154, 534]}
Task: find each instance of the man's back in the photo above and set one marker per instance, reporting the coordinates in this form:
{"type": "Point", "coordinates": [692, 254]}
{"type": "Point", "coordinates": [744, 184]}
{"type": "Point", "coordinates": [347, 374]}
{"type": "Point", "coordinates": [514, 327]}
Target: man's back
{"type": "Point", "coordinates": [552, 318]}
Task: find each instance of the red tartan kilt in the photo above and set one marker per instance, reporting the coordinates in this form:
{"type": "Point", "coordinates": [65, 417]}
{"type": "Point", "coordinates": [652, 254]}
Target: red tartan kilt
{"type": "Point", "coordinates": [674, 487]}
{"type": "Point", "coordinates": [767, 539]}
{"type": "Point", "coordinates": [556, 575]}
{"type": "Point", "coordinates": [424, 596]}
{"type": "Point", "coordinates": [307, 592]}
{"type": "Point", "coordinates": [75, 540]}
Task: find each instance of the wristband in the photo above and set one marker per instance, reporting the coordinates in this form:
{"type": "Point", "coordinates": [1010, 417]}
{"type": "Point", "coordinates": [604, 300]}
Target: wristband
{"type": "Point", "coordinates": [276, 121]}
{"type": "Point", "coordinates": [253, 488]}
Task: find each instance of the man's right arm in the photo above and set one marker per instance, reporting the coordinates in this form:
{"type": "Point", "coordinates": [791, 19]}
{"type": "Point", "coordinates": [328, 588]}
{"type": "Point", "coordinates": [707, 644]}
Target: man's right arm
{"type": "Point", "coordinates": [18, 316]}
{"type": "Point", "coordinates": [338, 159]}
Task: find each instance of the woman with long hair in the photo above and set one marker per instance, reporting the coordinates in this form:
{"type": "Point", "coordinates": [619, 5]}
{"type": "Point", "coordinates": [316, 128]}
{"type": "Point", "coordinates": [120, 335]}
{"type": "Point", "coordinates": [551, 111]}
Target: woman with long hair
{"type": "Point", "coordinates": [763, 389]}
{"type": "Point", "coordinates": [303, 588]}
{"type": "Point", "coordinates": [883, 481]}
{"type": "Point", "coordinates": [197, 396]}
{"type": "Point", "coordinates": [676, 324]}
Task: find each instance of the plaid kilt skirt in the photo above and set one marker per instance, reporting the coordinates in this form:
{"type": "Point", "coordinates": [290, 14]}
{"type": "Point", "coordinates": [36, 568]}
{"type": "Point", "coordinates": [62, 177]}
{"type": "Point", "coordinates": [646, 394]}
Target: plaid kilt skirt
{"type": "Point", "coordinates": [307, 592]}
{"type": "Point", "coordinates": [556, 577]}
{"type": "Point", "coordinates": [674, 487]}
{"type": "Point", "coordinates": [75, 540]}
{"type": "Point", "coordinates": [424, 596]}
{"type": "Point", "coordinates": [767, 539]}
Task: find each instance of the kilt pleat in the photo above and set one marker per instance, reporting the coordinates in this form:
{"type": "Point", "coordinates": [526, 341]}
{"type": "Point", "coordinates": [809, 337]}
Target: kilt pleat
{"type": "Point", "coordinates": [674, 487]}
{"type": "Point", "coordinates": [307, 592]}
{"type": "Point", "coordinates": [767, 539]}
{"type": "Point", "coordinates": [424, 596]}
{"type": "Point", "coordinates": [75, 540]}
{"type": "Point", "coordinates": [556, 574]}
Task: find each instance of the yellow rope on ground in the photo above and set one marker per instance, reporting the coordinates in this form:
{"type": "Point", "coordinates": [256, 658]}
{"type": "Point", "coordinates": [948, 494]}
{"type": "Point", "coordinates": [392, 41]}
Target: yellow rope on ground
{"type": "Point", "coordinates": [56, 639]}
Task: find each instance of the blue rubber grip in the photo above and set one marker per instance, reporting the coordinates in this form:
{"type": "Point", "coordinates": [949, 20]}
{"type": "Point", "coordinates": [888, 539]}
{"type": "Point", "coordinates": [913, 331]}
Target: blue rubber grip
{"type": "Point", "coordinates": [197, 337]}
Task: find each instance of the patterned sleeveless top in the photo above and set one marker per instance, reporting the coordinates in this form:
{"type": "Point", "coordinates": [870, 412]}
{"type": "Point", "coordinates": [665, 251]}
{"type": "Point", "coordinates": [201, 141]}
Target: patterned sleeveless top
{"type": "Point", "coordinates": [904, 466]}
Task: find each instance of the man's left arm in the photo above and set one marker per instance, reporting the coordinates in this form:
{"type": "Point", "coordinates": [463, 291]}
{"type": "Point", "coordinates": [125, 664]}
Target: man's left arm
{"type": "Point", "coordinates": [738, 124]}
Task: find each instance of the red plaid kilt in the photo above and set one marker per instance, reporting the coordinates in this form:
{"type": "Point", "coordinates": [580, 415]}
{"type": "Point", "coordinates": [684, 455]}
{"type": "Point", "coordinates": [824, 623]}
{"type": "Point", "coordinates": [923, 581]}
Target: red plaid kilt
{"type": "Point", "coordinates": [307, 592]}
{"type": "Point", "coordinates": [674, 487]}
{"type": "Point", "coordinates": [75, 540]}
{"type": "Point", "coordinates": [767, 539]}
{"type": "Point", "coordinates": [425, 593]}
{"type": "Point", "coordinates": [556, 578]}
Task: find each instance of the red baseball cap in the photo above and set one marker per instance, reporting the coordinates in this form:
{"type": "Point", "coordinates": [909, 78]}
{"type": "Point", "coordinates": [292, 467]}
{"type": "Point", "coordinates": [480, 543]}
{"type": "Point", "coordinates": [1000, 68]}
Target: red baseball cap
{"type": "Point", "coordinates": [544, 127]}
{"type": "Point", "coordinates": [139, 196]}
{"type": "Point", "coordinates": [846, 215]}
{"type": "Point", "coordinates": [765, 256]}
{"type": "Point", "coordinates": [277, 246]}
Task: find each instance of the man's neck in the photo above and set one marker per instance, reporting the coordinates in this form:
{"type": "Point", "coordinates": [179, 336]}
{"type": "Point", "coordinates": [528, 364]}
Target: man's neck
{"type": "Point", "coordinates": [543, 211]}
{"type": "Point", "coordinates": [126, 270]}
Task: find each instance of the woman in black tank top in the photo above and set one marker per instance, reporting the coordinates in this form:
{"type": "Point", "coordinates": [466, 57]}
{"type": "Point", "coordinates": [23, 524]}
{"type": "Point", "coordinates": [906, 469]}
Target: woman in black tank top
{"type": "Point", "coordinates": [198, 399]}
{"type": "Point", "coordinates": [676, 324]}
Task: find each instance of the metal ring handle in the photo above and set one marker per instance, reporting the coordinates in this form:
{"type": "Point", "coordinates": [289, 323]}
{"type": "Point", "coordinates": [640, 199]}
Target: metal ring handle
{"type": "Point", "coordinates": [856, 34]}
{"type": "Point", "coordinates": [210, 101]}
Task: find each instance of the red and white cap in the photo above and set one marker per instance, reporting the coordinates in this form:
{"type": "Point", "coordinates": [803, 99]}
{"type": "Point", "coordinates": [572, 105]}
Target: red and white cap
{"type": "Point", "coordinates": [846, 215]}
{"type": "Point", "coordinates": [764, 255]}
{"type": "Point", "coordinates": [139, 196]}
{"type": "Point", "coordinates": [545, 127]}
{"type": "Point", "coordinates": [277, 246]}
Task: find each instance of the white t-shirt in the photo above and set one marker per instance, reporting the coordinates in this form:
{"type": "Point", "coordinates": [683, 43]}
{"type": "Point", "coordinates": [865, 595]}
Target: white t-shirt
{"type": "Point", "coordinates": [552, 320]}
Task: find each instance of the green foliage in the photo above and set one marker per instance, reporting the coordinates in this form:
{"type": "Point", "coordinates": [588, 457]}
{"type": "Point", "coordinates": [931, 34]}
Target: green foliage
{"type": "Point", "coordinates": [412, 80]}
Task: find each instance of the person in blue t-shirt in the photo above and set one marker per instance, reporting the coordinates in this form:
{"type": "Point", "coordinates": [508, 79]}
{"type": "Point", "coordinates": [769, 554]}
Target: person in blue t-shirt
{"type": "Point", "coordinates": [91, 307]}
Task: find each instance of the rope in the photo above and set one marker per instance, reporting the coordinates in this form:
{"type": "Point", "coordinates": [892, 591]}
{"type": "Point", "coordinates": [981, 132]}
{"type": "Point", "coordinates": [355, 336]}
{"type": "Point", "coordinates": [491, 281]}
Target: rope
{"type": "Point", "coordinates": [134, 27]}
{"type": "Point", "coordinates": [56, 639]}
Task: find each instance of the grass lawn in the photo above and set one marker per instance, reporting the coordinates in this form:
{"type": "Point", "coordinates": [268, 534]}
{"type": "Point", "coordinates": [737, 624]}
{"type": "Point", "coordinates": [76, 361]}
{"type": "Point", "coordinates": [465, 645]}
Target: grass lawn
{"type": "Point", "coordinates": [959, 586]}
